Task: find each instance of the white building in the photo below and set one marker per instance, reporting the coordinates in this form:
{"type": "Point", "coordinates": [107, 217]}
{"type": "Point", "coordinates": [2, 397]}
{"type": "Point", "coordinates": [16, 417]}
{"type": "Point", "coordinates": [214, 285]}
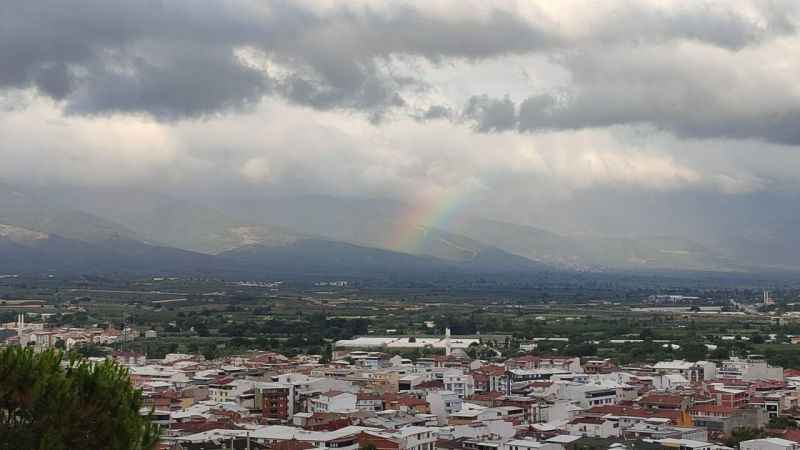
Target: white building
{"type": "Point", "coordinates": [444, 403]}
{"type": "Point", "coordinates": [769, 444]}
{"type": "Point", "coordinates": [529, 444]}
{"type": "Point", "coordinates": [413, 438]}
{"type": "Point", "coordinates": [749, 369]}
{"type": "Point", "coordinates": [228, 391]}
{"type": "Point", "coordinates": [669, 381]}
{"type": "Point", "coordinates": [689, 444]}
{"type": "Point", "coordinates": [333, 401]}
{"type": "Point", "coordinates": [586, 395]}
{"type": "Point", "coordinates": [456, 381]}
{"type": "Point", "coordinates": [342, 439]}
{"type": "Point", "coordinates": [601, 427]}
{"type": "Point", "coordinates": [691, 371]}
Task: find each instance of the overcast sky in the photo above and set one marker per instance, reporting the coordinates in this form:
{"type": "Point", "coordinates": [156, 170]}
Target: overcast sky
{"type": "Point", "coordinates": [505, 105]}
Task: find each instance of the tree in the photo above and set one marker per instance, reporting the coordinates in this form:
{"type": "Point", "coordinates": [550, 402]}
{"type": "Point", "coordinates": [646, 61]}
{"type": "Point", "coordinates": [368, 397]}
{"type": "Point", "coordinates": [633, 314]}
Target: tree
{"type": "Point", "coordinates": [210, 352]}
{"type": "Point", "coordinates": [693, 351]}
{"type": "Point", "coordinates": [46, 406]}
{"type": "Point", "coordinates": [720, 353]}
{"type": "Point", "coordinates": [757, 338]}
{"type": "Point", "coordinates": [782, 422]}
{"type": "Point", "coordinates": [90, 351]}
{"type": "Point", "coordinates": [326, 354]}
{"type": "Point", "coordinates": [647, 335]}
{"type": "Point", "coordinates": [581, 349]}
{"type": "Point", "coordinates": [743, 434]}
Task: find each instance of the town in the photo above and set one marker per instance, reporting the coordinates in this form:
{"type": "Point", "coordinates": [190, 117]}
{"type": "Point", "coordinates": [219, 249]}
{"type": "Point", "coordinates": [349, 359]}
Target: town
{"type": "Point", "coordinates": [365, 395]}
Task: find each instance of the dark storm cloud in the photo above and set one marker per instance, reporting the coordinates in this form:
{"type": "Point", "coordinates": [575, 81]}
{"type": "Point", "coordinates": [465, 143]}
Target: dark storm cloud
{"type": "Point", "coordinates": [178, 58]}
{"type": "Point", "coordinates": [692, 116]}
{"type": "Point", "coordinates": [180, 81]}
{"type": "Point", "coordinates": [683, 118]}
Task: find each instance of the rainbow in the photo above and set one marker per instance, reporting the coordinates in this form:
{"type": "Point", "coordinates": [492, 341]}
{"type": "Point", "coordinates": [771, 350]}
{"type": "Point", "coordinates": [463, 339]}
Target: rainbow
{"type": "Point", "coordinates": [411, 228]}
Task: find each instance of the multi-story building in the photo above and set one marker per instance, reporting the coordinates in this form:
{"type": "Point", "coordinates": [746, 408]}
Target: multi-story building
{"type": "Point", "coordinates": [367, 401]}
{"type": "Point", "coordinates": [585, 395]}
{"type": "Point", "coordinates": [456, 381]}
{"type": "Point", "coordinates": [693, 372]}
{"type": "Point", "coordinates": [489, 378]}
{"type": "Point", "coordinates": [444, 403]}
{"type": "Point", "coordinates": [228, 390]}
{"type": "Point", "coordinates": [275, 400]}
{"type": "Point", "coordinates": [749, 369]}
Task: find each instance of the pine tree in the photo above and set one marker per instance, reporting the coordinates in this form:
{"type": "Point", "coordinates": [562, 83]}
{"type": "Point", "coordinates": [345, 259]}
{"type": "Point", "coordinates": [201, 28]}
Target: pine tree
{"type": "Point", "coordinates": [45, 404]}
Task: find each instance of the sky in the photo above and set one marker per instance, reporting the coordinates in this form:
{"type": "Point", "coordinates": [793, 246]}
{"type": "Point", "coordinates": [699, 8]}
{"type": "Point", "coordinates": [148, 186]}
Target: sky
{"type": "Point", "coordinates": [511, 109]}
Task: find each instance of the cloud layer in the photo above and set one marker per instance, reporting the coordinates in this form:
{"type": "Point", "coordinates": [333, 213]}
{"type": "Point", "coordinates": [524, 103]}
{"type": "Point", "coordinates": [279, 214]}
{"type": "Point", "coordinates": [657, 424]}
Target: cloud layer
{"type": "Point", "coordinates": [518, 101]}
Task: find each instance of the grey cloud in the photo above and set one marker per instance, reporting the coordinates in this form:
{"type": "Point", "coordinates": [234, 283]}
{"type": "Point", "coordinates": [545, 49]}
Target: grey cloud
{"type": "Point", "coordinates": [719, 24]}
{"type": "Point", "coordinates": [697, 97]}
{"type": "Point", "coordinates": [435, 112]}
{"type": "Point", "coordinates": [177, 58]}
{"type": "Point", "coordinates": [180, 81]}
{"type": "Point", "coordinates": [491, 114]}
{"type": "Point", "coordinates": [86, 52]}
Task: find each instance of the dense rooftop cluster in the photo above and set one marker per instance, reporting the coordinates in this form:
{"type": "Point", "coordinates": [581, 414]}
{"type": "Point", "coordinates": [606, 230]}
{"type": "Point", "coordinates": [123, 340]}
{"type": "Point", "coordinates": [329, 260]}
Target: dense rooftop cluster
{"type": "Point", "coordinates": [370, 398]}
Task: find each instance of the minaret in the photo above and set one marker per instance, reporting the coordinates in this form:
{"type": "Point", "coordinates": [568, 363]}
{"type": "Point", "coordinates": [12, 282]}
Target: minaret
{"type": "Point", "coordinates": [447, 341]}
{"type": "Point", "coordinates": [20, 327]}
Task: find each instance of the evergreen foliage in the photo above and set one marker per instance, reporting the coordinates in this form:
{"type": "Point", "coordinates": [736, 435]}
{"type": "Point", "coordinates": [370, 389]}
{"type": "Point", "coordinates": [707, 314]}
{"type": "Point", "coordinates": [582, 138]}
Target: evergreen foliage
{"type": "Point", "coordinates": [49, 402]}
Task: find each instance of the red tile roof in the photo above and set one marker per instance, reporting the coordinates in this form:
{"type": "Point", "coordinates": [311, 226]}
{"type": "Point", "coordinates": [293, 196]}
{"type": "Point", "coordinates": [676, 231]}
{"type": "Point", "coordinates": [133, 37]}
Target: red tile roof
{"type": "Point", "coordinates": [712, 409]}
{"type": "Point", "coordinates": [620, 411]}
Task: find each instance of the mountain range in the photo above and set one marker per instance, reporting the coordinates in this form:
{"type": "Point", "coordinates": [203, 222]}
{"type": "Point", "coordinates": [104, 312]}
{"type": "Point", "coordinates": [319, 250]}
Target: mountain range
{"type": "Point", "coordinates": [80, 230]}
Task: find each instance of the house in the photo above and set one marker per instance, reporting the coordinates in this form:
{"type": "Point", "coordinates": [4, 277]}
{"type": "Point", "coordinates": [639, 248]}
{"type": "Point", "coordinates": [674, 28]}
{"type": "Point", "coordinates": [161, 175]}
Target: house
{"type": "Point", "coordinates": [586, 395]}
{"type": "Point", "coordinates": [366, 401]}
{"type": "Point", "coordinates": [655, 401]}
{"type": "Point", "coordinates": [726, 396]}
{"type": "Point", "coordinates": [227, 389]}
{"type": "Point", "coordinates": [599, 366]}
{"type": "Point", "coordinates": [332, 401]}
{"type": "Point", "coordinates": [593, 427]}
{"type": "Point", "coordinates": [693, 372]}
{"type": "Point", "coordinates": [444, 403]}
{"type": "Point", "coordinates": [408, 438]}
{"type": "Point", "coordinates": [345, 438]}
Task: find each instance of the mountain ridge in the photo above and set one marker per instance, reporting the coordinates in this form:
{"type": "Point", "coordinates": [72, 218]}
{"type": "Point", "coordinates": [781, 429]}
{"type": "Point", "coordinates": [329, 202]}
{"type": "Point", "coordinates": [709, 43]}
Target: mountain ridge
{"type": "Point", "coordinates": [100, 216]}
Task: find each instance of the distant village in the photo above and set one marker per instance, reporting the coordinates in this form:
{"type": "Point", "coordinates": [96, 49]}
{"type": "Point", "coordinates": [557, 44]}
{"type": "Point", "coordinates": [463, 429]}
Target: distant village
{"type": "Point", "coordinates": [366, 397]}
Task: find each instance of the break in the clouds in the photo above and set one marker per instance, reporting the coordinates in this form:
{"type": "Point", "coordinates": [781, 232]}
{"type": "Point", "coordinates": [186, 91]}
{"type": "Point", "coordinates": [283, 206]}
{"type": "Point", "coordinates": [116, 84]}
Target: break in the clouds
{"type": "Point", "coordinates": [513, 100]}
